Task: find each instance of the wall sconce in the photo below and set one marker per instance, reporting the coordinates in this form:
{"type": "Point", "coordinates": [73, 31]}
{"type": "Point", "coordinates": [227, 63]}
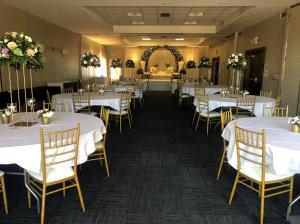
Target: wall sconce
{"type": "Point", "coordinates": [255, 40]}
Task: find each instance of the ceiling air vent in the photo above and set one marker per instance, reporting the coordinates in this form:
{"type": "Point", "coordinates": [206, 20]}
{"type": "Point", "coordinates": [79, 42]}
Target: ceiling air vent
{"type": "Point", "coordinates": [165, 15]}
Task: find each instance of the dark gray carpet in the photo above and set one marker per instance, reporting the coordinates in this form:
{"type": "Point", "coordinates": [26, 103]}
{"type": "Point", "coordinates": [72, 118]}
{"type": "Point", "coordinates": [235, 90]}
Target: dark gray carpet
{"type": "Point", "coordinates": [162, 172]}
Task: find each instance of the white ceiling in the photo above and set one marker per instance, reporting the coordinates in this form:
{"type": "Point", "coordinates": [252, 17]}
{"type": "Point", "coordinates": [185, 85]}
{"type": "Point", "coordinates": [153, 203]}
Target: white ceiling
{"type": "Point", "coordinates": [125, 22]}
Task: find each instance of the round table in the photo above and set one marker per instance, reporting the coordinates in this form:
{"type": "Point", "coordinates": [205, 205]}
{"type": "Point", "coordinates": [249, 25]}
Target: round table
{"type": "Point", "coordinates": [282, 145]}
{"type": "Point", "coordinates": [21, 145]}
{"type": "Point", "coordinates": [189, 88]}
{"type": "Point", "coordinates": [107, 99]}
{"type": "Point", "coordinates": [216, 101]}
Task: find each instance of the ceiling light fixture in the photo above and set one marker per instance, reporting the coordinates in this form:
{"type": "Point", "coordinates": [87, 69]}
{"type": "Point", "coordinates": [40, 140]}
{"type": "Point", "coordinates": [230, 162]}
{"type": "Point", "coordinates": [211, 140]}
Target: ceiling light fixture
{"type": "Point", "coordinates": [179, 38]}
{"type": "Point", "coordinates": [133, 14]}
{"type": "Point", "coordinates": [138, 23]}
{"type": "Point", "coordinates": [146, 38]}
{"type": "Point", "coordinates": [190, 22]}
{"type": "Point", "coordinates": [192, 14]}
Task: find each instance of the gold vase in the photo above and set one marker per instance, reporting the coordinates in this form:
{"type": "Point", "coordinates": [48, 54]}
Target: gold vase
{"type": "Point", "coordinates": [295, 128]}
{"type": "Point", "coordinates": [6, 119]}
{"type": "Point", "coordinates": [45, 120]}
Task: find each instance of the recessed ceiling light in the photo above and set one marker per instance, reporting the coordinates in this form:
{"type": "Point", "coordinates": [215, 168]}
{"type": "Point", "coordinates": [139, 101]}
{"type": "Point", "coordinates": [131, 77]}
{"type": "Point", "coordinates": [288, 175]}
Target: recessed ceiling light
{"type": "Point", "coordinates": [179, 38]}
{"type": "Point", "coordinates": [146, 38]}
{"type": "Point", "coordinates": [190, 22]}
{"type": "Point", "coordinates": [192, 14]}
{"type": "Point", "coordinates": [133, 14]}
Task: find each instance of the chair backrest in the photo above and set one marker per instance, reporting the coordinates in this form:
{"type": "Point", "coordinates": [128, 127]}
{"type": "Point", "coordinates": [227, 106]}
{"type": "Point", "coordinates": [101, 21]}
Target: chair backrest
{"type": "Point", "coordinates": [276, 112]}
{"type": "Point", "coordinates": [199, 90]}
{"type": "Point", "coordinates": [251, 148]}
{"type": "Point", "coordinates": [138, 90]}
{"type": "Point", "coordinates": [104, 116]}
{"type": "Point", "coordinates": [67, 90]}
{"type": "Point", "coordinates": [245, 103]}
{"type": "Point", "coordinates": [58, 107]}
{"type": "Point", "coordinates": [203, 104]}
{"type": "Point", "coordinates": [226, 117]}
{"type": "Point", "coordinates": [278, 101]}
{"type": "Point", "coordinates": [59, 149]}
{"type": "Point", "coordinates": [125, 102]}
{"type": "Point", "coordinates": [267, 93]}
{"type": "Point", "coordinates": [48, 96]}
{"type": "Point", "coordinates": [81, 102]}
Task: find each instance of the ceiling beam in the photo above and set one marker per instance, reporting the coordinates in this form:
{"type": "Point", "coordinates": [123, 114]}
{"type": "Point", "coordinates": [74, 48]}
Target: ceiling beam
{"type": "Point", "coordinates": [165, 29]}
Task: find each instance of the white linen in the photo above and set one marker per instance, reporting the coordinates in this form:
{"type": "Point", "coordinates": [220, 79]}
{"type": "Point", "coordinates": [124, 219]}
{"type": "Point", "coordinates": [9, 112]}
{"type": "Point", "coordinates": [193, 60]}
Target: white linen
{"type": "Point", "coordinates": [282, 145]}
{"type": "Point", "coordinates": [21, 145]}
{"type": "Point", "coordinates": [188, 88]}
{"type": "Point", "coordinates": [108, 99]}
{"type": "Point", "coordinates": [216, 101]}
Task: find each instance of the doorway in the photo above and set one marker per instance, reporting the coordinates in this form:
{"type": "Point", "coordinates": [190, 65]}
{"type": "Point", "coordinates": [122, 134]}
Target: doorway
{"type": "Point", "coordinates": [253, 76]}
{"type": "Point", "coordinates": [215, 67]}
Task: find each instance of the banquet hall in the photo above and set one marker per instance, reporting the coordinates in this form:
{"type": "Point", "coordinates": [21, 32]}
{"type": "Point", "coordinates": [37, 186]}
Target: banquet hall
{"type": "Point", "coordinates": [155, 112]}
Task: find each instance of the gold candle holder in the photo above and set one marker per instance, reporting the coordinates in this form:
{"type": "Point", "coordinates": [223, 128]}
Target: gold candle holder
{"type": "Point", "coordinates": [295, 128]}
{"type": "Point", "coordinates": [45, 120]}
{"type": "Point", "coordinates": [6, 119]}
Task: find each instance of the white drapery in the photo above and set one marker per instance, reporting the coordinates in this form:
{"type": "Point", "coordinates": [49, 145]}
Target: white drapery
{"type": "Point", "coordinates": [161, 57]}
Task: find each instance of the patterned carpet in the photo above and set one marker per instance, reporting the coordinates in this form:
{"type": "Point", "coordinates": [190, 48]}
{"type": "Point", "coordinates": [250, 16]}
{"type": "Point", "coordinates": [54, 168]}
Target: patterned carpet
{"type": "Point", "coordinates": [162, 172]}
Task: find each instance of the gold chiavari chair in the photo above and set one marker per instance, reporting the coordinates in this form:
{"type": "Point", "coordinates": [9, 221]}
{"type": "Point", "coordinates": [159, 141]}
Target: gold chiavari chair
{"type": "Point", "coordinates": [81, 104]}
{"type": "Point", "coordinates": [226, 117]}
{"type": "Point", "coordinates": [276, 112]}
{"type": "Point", "coordinates": [199, 90]}
{"type": "Point", "coordinates": [123, 112]}
{"type": "Point", "coordinates": [59, 153]}
{"type": "Point", "coordinates": [245, 106]}
{"type": "Point", "coordinates": [278, 101]}
{"type": "Point", "coordinates": [67, 90]}
{"type": "Point", "coordinates": [256, 175]}
{"type": "Point", "coordinates": [137, 95]}
{"type": "Point", "coordinates": [3, 190]}
{"type": "Point", "coordinates": [204, 113]}
{"type": "Point", "coordinates": [100, 153]}
{"type": "Point", "coordinates": [267, 93]}
{"type": "Point", "coordinates": [48, 96]}
{"type": "Point", "coordinates": [58, 107]}
{"type": "Point", "coordinates": [183, 97]}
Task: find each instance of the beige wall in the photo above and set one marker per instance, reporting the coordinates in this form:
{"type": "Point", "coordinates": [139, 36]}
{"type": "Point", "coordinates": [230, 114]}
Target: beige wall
{"type": "Point", "coordinates": [57, 66]}
{"type": "Point", "coordinates": [291, 77]}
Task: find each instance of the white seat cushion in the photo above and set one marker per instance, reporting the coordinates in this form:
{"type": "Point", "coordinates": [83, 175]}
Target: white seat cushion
{"type": "Point", "coordinates": [1, 173]}
{"type": "Point", "coordinates": [115, 112]}
{"type": "Point", "coordinates": [255, 173]}
{"type": "Point", "coordinates": [54, 174]}
{"type": "Point", "coordinates": [211, 114]}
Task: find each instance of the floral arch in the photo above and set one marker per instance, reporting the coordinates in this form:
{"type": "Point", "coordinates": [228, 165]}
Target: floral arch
{"type": "Point", "coordinates": [146, 55]}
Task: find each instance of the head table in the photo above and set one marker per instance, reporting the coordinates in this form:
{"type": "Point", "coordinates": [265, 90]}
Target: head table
{"type": "Point", "coordinates": [21, 145]}
{"type": "Point", "coordinates": [282, 145]}
{"type": "Point", "coordinates": [107, 99]}
{"type": "Point", "coordinates": [216, 101]}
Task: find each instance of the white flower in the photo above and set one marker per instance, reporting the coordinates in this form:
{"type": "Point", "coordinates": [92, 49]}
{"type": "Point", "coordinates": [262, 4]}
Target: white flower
{"type": "Point", "coordinates": [85, 62]}
{"type": "Point", "coordinates": [11, 45]}
{"type": "Point", "coordinates": [48, 114]}
{"type": "Point", "coordinates": [28, 39]}
{"type": "Point", "coordinates": [236, 60]}
{"type": "Point", "coordinates": [14, 34]}
{"type": "Point", "coordinates": [5, 40]}
{"type": "Point", "coordinates": [35, 50]}
{"type": "Point", "coordinates": [232, 55]}
{"type": "Point", "coordinates": [30, 52]}
{"type": "Point", "coordinates": [91, 60]}
{"type": "Point", "coordinates": [244, 63]}
{"type": "Point", "coordinates": [22, 35]}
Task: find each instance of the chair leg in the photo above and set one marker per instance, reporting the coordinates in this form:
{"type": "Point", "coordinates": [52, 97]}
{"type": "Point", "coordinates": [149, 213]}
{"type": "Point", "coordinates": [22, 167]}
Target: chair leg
{"type": "Point", "coordinates": [64, 189]}
{"type": "Point", "coordinates": [129, 120]}
{"type": "Point", "coordinates": [197, 123]}
{"type": "Point", "coordinates": [194, 117]}
{"type": "Point", "coordinates": [262, 203]}
{"type": "Point", "coordinates": [234, 187]}
{"type": "Point", "coordinates": [29, 198]}
{"type": "Point", "coordinates": [120, 123]}
{"type": "Point", "coordinates": [79, 194]}
{"type": "Point", "coordinates": [43, 204]}
{"type": "Point", "coordinates": [291, 189]}
{"type": "Point", "coordinates": [221, 163]}
{"type": "Point", "coordinates": [4, 194]}
{"type": "Point", "coordinates": [106, 162]}
{"type": "Point", "coordinates": [141, 103]}
{"type": "Point", "coordinates": [207, 126]}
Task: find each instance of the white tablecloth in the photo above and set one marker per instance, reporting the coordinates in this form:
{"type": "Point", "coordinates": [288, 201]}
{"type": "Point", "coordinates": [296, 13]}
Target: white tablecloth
{"type": "Point", "coordinates": [128, 88]}
{"type": "Point", "coordinates": [216, 101]}
{"type": "Point", "coordinates": [108, 99]}
{"type": "Point", "coordinates": [188, 88]}
{"type": "Point", "coordinates": [21, 145]}
{"type": "Point", "coordinates": [282, 145]}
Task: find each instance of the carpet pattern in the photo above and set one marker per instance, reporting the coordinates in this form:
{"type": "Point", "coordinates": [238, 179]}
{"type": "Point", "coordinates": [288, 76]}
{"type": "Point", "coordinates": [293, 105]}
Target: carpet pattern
{"type": "Point", "coordinates": [162, 172]}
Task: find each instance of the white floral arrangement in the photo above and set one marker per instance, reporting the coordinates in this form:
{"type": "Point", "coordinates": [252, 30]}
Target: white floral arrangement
{"type": "Point", "coordinates": [245, 92]}
{"type": "Point", "coordinates": [45, 113]}
{"type": "Point", "coordinates": [224, 92]}
{"type": "Point", "coordinates": [101, 91]}
{"type": "Point", "coordinates": [295, 121]}
{"type": "Point", "coordinates": [5, 113]}
{"type": "Point", "coordinates": [90, 59]}
{"type": "Point", "coordinates": [236, 62]}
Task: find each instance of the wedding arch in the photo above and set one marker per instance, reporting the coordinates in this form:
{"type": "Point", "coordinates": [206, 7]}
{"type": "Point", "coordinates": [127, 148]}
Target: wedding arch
{"type": "Point", "coordinates": [147, 53]}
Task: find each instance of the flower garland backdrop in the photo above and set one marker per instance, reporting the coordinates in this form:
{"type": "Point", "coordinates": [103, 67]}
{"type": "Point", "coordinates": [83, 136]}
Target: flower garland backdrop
{"type": "Point", "coordinates": [146, 55]}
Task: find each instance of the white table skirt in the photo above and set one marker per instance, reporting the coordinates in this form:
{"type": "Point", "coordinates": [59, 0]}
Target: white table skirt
{"type": "Point", "coordinates": [216, 101]}
{"type": "Point", "coordinates": [188, 88]}
{"type": "Point", "coordinates": [282, 145]}
{"type": "Point", "coordinates": [21, 145]}
{"type": "Point", "coordinates": [128, 88]}
{"type": "Point", "coordinates": [108, 99]}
